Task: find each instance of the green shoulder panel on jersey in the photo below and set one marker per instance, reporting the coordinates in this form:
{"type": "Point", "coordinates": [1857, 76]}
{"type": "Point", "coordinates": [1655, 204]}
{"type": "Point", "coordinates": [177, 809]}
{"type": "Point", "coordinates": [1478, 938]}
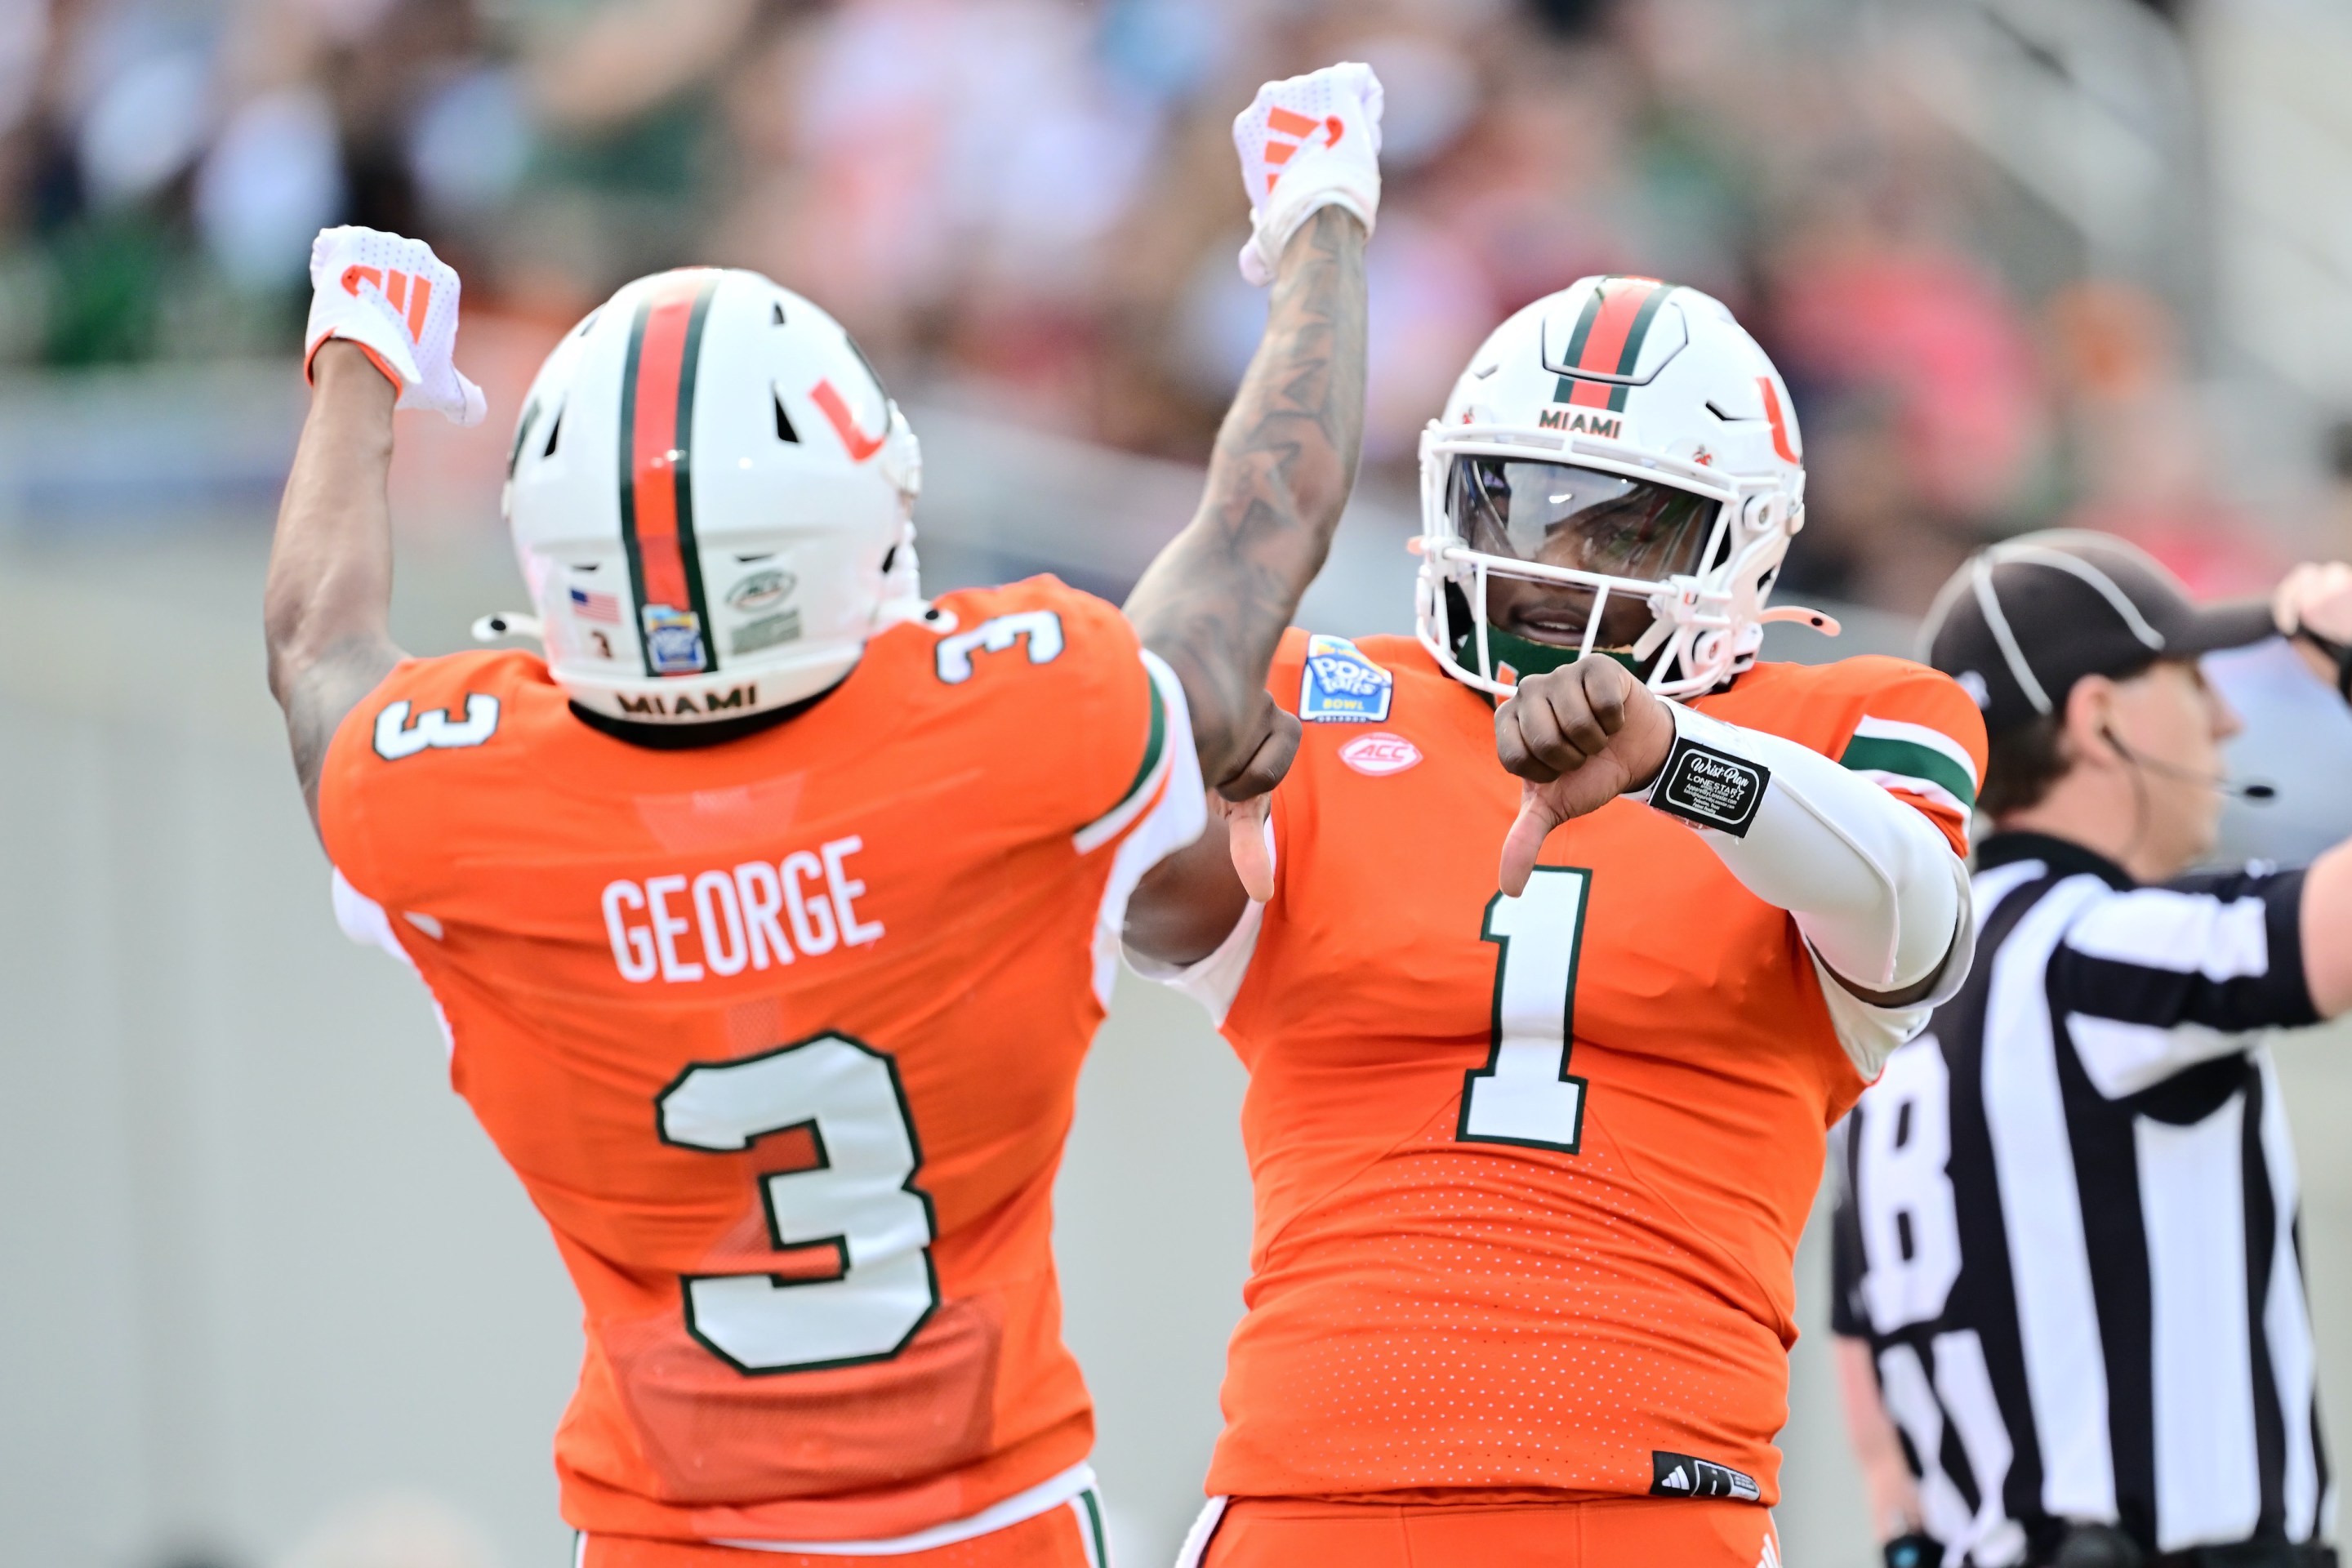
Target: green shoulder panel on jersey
{"type": "Point", "coordinates": [1913, 757]}
{"type": "Point", "coordinates": [1142, 787]}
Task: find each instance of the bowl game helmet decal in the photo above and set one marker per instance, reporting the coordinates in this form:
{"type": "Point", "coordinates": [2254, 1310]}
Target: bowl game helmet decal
{"type": "Point", "coordinates": [711, 496]}
{"type": "Point", "coordinates": [1627, 438]}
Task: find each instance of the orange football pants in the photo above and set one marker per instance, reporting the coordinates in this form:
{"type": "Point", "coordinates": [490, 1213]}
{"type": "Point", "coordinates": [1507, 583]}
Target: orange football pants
{"type": "Point", "coordinates": [1057, 1538]}
{"type": "Point", "coordinates": [1612, 1533]}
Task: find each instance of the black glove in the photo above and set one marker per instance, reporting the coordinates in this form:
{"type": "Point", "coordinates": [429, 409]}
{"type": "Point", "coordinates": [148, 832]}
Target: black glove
{"type": "Point", "coordinates": [1914, 1551]}
{"type": "Point", "coordinates": [2339, 652]}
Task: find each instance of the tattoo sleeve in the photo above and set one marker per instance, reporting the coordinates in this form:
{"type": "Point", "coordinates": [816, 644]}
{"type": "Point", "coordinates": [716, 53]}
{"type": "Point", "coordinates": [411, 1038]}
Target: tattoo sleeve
{"type": "Point", "coordinates": [1215, 602]}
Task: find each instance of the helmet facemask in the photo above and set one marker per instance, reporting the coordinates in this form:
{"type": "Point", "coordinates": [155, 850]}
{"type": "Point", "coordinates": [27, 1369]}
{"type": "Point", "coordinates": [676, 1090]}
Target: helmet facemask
{"type": "Point", "coordinates": [1532, 562]}
{"type": "Point", "coordinates": [1606, 532]}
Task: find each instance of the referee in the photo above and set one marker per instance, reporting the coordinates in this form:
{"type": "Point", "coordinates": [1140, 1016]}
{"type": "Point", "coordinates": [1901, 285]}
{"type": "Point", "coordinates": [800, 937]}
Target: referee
{"type": "Point", "coordinates": [2068, 1279]}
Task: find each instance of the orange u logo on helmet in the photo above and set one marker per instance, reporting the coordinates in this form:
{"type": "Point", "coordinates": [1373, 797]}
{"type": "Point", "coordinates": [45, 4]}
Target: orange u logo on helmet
{"type": "Point", "coordinates": [402, 291]}
{"type": "Point", "coordinates": [837, 411]}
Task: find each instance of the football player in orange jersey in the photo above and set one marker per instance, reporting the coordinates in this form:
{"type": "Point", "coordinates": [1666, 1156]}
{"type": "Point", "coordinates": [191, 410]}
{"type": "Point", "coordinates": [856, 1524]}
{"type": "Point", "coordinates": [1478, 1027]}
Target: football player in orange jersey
{"type": "Point", "coordinates": [769, 914]}
{"type": "Point", "coordinates": [1530, 1166]}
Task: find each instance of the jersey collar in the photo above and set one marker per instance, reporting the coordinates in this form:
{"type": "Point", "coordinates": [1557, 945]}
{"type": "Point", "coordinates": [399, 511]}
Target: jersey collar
{"type": "Point", "coordinates": [2062, 856]}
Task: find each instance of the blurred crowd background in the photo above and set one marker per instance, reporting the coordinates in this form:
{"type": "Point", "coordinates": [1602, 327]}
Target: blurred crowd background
{"type": "Point", "coordinates": [1993, 246]}
{"type": "Point", "coordinates": [2024, 262]}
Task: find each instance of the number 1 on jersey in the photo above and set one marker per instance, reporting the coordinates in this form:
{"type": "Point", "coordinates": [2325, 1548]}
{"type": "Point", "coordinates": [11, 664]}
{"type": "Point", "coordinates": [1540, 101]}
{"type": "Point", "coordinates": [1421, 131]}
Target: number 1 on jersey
{"type": "Point", "coordinates": [1525, 1094]}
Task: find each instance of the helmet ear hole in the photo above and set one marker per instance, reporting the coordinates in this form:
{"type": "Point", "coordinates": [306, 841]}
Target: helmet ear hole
{"type": "Point", "coordinates": [522, 437]}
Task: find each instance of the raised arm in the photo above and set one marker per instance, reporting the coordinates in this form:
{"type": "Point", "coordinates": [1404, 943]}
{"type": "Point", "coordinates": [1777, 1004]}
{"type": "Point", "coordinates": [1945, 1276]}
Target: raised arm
{"type": "Point", "coordinates": [329, 589]}
{"type": "Point", "coordinates": [1216, 601]}
{"type": "Point", "coordinates": [384, 326]}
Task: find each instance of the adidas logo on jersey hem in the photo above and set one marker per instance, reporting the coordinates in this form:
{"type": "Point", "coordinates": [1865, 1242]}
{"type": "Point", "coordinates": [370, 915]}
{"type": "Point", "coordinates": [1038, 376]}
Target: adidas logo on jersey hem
{"type": "Point", "coordinates": [1679, 1475]}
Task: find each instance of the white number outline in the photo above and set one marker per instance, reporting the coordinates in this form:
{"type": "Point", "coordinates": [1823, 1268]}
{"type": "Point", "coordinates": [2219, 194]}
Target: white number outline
{"type": "Point", "coordinates": [395, 738]}
{"type": "Point", "coordinates": [1041, 630]}
{"type": "Point", "coordinates": [1538, 893]}
{"type": "Point", "coordinates": [765, 1180]}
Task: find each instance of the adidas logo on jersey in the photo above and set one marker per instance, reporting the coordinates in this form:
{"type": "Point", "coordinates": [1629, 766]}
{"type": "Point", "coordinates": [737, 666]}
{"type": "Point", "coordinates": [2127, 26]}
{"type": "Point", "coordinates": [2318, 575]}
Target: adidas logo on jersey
{"type": "Point", "coordinates": [1679, 1475]}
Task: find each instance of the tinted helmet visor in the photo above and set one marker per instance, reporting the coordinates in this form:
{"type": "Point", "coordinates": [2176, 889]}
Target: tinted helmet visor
{"type": "Point", "coordinates": [1557, 514]}
{"type": "Point", "coordinates": [1560, 515]}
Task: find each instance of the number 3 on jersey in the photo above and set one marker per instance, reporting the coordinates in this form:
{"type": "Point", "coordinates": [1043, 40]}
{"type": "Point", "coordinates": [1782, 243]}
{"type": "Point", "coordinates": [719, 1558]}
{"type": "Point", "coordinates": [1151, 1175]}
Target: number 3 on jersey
{"type": "Point", "coordinates": [1525, 1094]}
{"type": "Point", "coordinates": [860, 1199]}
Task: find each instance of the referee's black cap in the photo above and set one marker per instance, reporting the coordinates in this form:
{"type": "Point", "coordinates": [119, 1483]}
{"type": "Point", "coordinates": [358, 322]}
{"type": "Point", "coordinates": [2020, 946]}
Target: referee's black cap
{"type": "Point", "coordinates": [2024, 620]}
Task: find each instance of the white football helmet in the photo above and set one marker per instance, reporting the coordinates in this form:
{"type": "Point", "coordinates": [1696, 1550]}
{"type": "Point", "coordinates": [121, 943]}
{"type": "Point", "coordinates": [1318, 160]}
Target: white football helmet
{"type": "Point", "coordinates": [1635, 428]}
{"type": "Point", "coordinates": [712, 499]}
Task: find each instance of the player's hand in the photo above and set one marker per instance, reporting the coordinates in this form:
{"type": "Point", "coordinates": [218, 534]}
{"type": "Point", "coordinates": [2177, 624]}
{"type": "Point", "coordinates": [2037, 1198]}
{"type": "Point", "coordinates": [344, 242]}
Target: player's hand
{"type": "Point", "coordinates": [1243, 800]}
{"type": "Point", "coordinates": [2313, 608]}
{"type": "Point", "coordinates": [398, 301]}
{"type": "Point", "coordinates": [1579, 737]}
{"type": "Point", "coordinates": [1307, 142]}
{"type": "Point", "coordinates": [2317, 596]}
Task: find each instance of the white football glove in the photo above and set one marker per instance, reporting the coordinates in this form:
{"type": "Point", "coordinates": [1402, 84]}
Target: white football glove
{"type": "Point", "coordinates": [1307, 142]}
{"type": "Point", "coordinates": [398, 301]}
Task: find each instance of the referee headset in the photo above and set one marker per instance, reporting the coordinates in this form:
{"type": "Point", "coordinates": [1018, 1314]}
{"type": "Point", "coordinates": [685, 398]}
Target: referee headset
{"type": "Point", "coordinates": [2254, 791]}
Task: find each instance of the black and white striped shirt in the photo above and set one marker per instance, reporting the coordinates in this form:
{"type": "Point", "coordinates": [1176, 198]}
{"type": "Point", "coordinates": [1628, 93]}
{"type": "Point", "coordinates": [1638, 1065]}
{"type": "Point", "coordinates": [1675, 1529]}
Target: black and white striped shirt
{"type": "Point", "coordinates": [2069, 1223]}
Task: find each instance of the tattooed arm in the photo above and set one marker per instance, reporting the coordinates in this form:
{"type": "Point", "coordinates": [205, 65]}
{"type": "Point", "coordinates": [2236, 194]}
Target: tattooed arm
{"type": "Point", "coordinates": [1216, 601]}
{"type": "Point", "coordinates": [326, 607]}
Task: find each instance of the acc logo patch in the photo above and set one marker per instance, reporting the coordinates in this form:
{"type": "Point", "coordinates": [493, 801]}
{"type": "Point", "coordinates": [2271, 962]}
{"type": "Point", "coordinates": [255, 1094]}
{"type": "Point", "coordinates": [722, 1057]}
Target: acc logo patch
{"type": "Point", "coordinates": [1341, 686]}
{"type": "Point", "coordinates": [1380, 753]}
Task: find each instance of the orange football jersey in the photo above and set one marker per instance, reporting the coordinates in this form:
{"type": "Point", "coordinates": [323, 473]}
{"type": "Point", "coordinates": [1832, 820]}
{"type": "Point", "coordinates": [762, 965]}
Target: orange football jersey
{"type": "Point", "coordinates": [1445, 1300]}
{"type": "Point", "coordinates": [783, 1037]}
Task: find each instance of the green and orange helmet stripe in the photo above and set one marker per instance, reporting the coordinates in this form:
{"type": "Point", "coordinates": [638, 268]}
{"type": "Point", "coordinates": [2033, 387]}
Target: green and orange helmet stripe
{"type": "Point", "coordinates": [657, 474]}
{"type": "Point", "coordinates": [1608, 339]}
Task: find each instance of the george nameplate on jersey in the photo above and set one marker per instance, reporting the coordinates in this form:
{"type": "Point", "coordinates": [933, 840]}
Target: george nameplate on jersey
{"type": "Point", "coordinates": [1341, 686]}
{"type": "Point", "coordinates": [1711, 788]}
{"type": "Point", "coordinates": [1679, 1475]}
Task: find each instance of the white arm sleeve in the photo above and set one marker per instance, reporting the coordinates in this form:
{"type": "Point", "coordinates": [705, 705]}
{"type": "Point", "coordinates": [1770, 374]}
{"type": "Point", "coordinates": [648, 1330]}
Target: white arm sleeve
{"type": "Point", "coordinates": [1874, 885]}
{"type": "Point", "coordinates": [1213, 981]}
